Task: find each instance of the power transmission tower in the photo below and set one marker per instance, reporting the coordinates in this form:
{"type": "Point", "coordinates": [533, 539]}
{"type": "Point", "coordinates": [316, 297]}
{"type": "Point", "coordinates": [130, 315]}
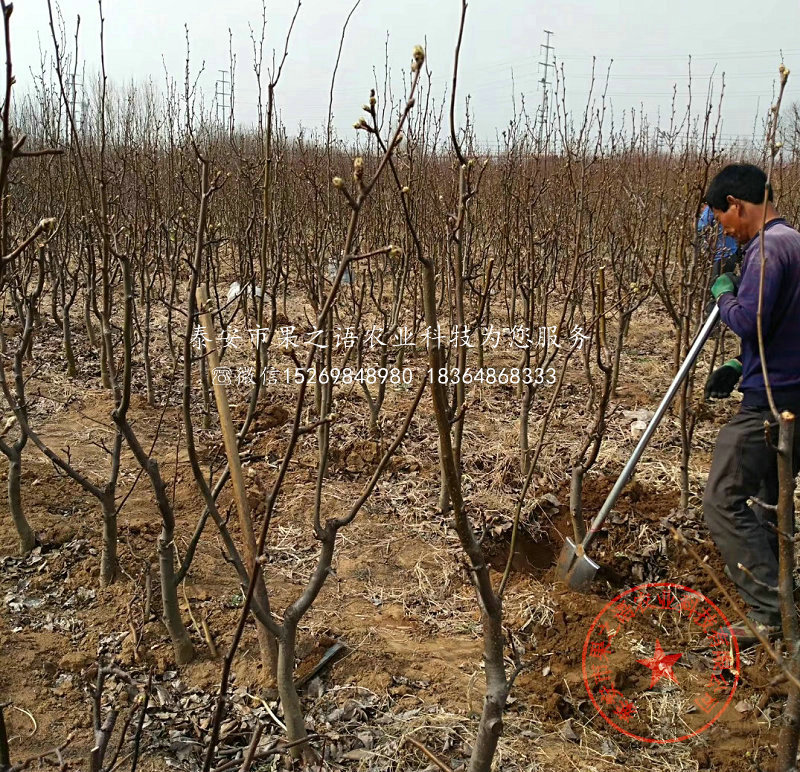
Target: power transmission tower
{"type": "Point", "coordinates": [545, 48]}
{"type": "Point", "coordinates": [77, 104]}
{"type": "Point", "coordinates": [223, 99]}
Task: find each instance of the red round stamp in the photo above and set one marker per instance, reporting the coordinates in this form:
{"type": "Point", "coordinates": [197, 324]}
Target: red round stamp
{"type": "Point", "coordinates": [658, 663]}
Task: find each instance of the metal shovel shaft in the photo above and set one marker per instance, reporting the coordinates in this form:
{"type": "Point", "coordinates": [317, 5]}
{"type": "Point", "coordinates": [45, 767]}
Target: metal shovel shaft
{"type": "Point", "coordinates": [625, 476]}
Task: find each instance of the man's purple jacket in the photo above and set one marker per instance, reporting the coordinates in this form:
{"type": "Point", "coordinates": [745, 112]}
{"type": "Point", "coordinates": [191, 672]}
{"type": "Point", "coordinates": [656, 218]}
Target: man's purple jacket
{"type": "Point", "coordinates": [780, 316]}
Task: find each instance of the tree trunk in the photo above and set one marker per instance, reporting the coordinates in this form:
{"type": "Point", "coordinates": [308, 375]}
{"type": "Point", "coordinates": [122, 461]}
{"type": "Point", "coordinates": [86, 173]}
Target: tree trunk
{"type": "Point", "coordinates": [108, 559]}
{"type": "Point", "coordinates": [524, 423]}
{"type": "Point", "coordinates": [622, 331]}
{"type": "Point", "coordinates": [87, 321]}
{"type": "Point", "coordinates": [490, 728]}
{"type": "Point", "coordinates": [105, 376]}
{"type": "Point", "coordinates": [491, 723]}
{"type": "Point", "coordinates": [267, 642]}
{"type": "Point", "coordinates": [576, 502]}
{"type": "Point", "coordinates": [790, 731]}
{"type": "Point", "coordinates": [686, 445]}
{"type": "Point", "coordinates": [148, 365]}
{"type": "Point", "coordinates": [290, 702]}
{"type": "Point", "coordinates": [444, 495]}
{"type": "Point", "coordinates": [182, 645]}
{"type": "Point", "coordinates": [204, 379]}
{"type": "Point", "coordinates": [69, 354]}
{"type": "Point", "coordinates": [27, 538]}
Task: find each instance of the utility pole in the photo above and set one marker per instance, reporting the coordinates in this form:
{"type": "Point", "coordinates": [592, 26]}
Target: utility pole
{"type": "Point", "coordinates": [223, 98]}
{"type": "Point", "coordinates": [545, 48]}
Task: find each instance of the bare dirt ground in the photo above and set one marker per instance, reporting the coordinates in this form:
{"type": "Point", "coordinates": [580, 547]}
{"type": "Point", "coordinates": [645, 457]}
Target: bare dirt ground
{"type": "Point", "coordinates": [398, 599]}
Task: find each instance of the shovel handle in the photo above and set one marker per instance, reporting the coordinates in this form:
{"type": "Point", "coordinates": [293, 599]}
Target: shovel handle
{"type": "Point", "coordinates": [627, 472]}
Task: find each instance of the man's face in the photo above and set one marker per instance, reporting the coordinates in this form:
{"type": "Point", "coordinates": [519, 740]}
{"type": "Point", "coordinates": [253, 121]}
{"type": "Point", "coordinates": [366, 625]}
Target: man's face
{"type": "Point", "coordinates": [732, 220]}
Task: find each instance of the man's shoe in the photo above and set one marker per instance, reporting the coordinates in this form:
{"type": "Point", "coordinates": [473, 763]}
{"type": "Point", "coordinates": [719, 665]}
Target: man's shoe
{"type": "Point", "coordinates": [745, 637]}
{"type": "Point", "coordinates": [727, 572]}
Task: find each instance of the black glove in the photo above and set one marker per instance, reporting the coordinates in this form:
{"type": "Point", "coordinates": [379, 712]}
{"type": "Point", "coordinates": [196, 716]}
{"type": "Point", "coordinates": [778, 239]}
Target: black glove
{"type": "Point", "coordinates": [721, 382]}
{"type": "Point", "coordinates": [729, 263]}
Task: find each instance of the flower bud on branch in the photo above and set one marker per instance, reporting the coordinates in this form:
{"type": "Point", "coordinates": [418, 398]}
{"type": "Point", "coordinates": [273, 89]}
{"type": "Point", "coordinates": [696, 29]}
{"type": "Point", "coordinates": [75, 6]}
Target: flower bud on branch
{"type": "Point", "coordinates": [418, 57]}
{"type": "Point", "coordinates": [358, 168]}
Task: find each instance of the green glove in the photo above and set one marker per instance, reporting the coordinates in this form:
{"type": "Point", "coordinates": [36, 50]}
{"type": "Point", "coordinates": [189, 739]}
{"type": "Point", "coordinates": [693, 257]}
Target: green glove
{"type": "Point", "coordinates": [727, 282]}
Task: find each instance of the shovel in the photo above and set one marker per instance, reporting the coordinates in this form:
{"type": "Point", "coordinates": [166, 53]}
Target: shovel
{"type": "Point", "coordinates": [575, 567]}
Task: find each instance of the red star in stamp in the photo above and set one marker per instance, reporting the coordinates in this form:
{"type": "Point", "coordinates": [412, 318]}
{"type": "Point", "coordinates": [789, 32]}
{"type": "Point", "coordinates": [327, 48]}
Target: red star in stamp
{"type": "Point", "coordinates": [661, 665]}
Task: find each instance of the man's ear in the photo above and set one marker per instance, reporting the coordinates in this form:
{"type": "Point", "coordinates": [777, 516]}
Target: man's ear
{"type": "Point", "coordinates": [737, 204]}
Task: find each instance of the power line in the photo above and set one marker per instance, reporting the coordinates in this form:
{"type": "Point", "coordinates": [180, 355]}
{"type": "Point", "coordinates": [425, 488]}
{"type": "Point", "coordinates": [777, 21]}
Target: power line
{"type": "Point", "coordinates": [704, 56]}
{"type": "Point", "coordinates": [598, 58]}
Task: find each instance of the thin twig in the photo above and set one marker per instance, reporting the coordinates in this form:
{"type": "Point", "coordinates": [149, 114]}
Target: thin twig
{"type": "Point", "coordinates": [251, 749]}
{"type": "Point", "coordinates": [747, 572]}
{"type": "Point", "coordinates": [773, 151]}
{"type": "Point", "coordinates": [137, 738]}
{"type": "Point", "coordinates": [435, 759]}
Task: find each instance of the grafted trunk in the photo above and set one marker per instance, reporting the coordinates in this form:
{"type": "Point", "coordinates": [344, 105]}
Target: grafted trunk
{"type": "Point", "coordinates": [490, 728]}
{"type": "Point", "coordinates": [622, 331]}
{"type": "Point", "coordinates": [25, 534]}
{"type": "Point", "coordinates": [292, 709]}
{"type": "Point", "coordinates": [182, 645]}
{"type": "Point", "coordinates": [576, 502]}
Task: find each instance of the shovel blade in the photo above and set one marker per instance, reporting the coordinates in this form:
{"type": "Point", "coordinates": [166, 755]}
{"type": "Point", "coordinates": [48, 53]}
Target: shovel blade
{"type": "Point", "coordinates": [575, 568]}
{"type": "Point", "coordinates": [565, 560]}
{"type": "Point", "coordinates": [582, 573]}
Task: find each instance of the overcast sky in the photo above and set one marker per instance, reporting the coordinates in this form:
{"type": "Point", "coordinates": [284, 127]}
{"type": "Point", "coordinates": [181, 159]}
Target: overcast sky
{"type": "Point", "coordinates": [649, 41]}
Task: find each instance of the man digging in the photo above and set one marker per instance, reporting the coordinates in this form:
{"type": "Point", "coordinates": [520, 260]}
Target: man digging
{"type": "Point", "coordinates": [742, 486]}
